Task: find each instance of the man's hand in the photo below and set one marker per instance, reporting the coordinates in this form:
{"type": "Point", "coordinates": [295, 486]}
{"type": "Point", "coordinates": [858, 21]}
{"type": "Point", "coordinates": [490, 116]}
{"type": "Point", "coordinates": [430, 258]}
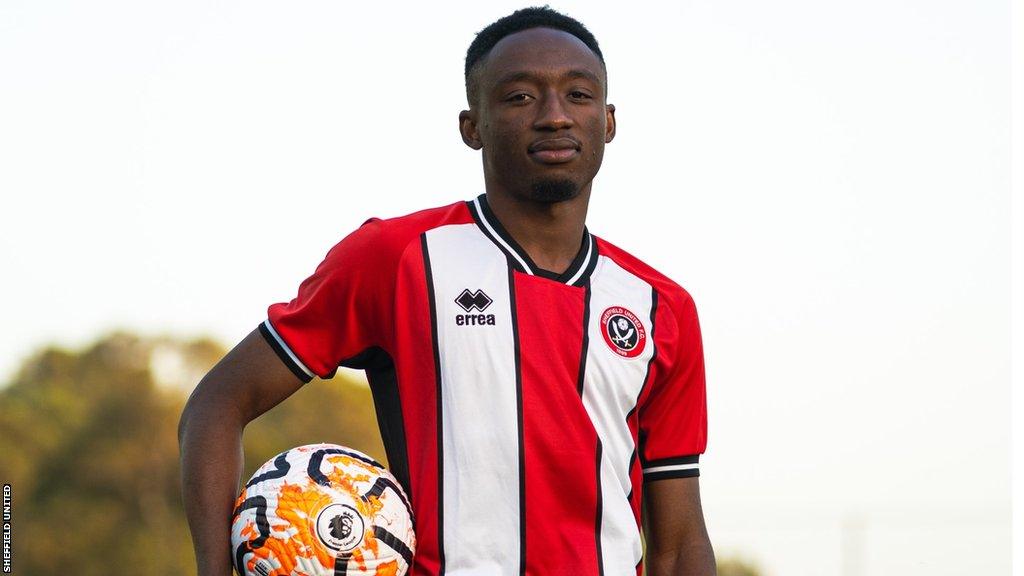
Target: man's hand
{"type": "Point", "coordinates": [677, 540]}
{"type": "Point", "coordinates": [250, 380]}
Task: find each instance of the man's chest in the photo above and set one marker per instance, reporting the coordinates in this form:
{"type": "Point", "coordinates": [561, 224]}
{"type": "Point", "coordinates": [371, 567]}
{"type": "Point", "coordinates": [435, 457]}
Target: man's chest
{"type": "Point", "coordinates": [508, 335]}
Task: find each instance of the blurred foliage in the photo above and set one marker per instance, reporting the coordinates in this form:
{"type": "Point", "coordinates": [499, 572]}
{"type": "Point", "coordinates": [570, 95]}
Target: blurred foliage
{"type": "Point", "coordinates": [732, 566]}
{"type": "Point", "coordinates": [736, 567]}
{"type": "Point", "coordinates": [89, 445]}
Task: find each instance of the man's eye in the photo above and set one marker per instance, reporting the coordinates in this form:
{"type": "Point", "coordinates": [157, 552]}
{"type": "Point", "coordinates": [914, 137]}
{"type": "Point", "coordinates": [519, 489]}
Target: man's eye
{"type": "Point", "coordinates": [579, 95]}
{"type": "Point", "coordinates": [518, 97]}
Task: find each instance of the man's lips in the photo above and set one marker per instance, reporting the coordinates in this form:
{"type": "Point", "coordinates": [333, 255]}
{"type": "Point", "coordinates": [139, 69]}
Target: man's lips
{"type": "Point", "coordinates": [554, 150]}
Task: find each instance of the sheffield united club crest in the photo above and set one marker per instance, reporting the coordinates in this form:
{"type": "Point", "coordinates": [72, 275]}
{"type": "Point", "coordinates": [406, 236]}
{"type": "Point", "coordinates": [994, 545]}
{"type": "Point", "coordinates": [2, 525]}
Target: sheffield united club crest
{"type": "Point", "coordinates": [623, 332]}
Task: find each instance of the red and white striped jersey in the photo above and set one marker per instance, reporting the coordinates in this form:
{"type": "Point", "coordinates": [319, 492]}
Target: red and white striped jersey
{"type": "Point", "coordinates": [521, 410]}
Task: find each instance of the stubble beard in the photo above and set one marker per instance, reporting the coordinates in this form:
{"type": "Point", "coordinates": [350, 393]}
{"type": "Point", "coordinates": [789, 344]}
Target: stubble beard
{"type": "Point", "coordinates": [552, 191]}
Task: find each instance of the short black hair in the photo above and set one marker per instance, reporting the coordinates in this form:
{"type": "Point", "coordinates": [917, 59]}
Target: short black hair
{"type": "Point", "coordinates": [523, 19]}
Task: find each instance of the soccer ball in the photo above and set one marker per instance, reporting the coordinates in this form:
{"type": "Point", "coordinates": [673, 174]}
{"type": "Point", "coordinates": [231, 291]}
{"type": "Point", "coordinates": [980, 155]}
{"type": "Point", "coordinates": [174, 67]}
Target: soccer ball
{"type": "Point", "coordinates": [321, 510]}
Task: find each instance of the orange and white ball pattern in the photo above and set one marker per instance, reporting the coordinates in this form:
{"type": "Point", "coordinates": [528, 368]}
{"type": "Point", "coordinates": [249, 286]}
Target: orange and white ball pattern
{"type": "Point", "coordinates": [322, 510]}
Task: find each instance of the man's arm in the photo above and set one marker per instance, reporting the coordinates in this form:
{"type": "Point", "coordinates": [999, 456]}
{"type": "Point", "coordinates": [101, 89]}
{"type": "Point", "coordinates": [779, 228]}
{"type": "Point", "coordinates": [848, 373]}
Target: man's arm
{"type": "Point", "coordinates": [250, 380]}
{"type": "Point", "coordinates": [677, 540]}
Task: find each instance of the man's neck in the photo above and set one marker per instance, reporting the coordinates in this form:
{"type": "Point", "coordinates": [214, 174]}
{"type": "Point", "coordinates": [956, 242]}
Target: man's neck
{"type": "Point", "coordinates": [551, 233]}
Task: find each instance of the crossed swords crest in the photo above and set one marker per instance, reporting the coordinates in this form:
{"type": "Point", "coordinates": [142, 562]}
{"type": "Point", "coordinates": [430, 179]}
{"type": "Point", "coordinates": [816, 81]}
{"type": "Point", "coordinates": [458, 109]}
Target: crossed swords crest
{"type": "Point", "coordinates": [622, 332]}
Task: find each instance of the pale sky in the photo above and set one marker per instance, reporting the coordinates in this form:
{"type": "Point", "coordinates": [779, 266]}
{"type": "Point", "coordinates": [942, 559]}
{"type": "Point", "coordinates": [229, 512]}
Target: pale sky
{"type": "Point", "coordinates": [830, 181]}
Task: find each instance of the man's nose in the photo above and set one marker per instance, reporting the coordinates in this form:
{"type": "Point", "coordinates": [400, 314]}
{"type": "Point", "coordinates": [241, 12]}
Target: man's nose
{"type": "Point", "coordinates": [553, 114]}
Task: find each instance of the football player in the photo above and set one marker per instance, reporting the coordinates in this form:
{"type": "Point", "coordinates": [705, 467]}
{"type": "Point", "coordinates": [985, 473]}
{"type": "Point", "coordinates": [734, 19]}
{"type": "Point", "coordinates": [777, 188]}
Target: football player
{"type": "Point", "coordinates": [540, 392]}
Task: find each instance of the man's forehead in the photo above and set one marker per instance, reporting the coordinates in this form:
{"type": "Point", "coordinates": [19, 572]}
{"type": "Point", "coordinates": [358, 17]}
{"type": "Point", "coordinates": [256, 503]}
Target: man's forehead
{"type": "Point", "coordinates": [541, 51]}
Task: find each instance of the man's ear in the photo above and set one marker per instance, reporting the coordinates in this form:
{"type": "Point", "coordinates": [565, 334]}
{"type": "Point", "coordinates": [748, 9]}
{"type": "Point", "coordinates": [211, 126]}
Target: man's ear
{"type": "Point", "coordinates": [609, 130]}
{"type": "Point", "coordinates": [467, 127]}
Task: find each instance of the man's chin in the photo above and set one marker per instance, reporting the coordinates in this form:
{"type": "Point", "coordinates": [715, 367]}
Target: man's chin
{"type": "Point", "coordinates": [553, 191]}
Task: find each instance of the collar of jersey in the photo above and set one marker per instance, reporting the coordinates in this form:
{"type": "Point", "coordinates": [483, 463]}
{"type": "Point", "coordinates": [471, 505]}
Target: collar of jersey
{"type": "Point", "coordinates": [576, 275]}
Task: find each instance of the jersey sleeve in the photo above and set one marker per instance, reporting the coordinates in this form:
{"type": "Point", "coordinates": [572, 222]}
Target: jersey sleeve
{"type": "Point", "coordinates": [341, 311]}
{"type": "Point", "coordinates": [673, 415]}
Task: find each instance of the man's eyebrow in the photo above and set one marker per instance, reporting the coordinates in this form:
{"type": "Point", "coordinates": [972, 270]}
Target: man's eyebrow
{"type": "Point", "coordinates": [584, 74]}
{"type": "Point", "coordinates": [519, 76]}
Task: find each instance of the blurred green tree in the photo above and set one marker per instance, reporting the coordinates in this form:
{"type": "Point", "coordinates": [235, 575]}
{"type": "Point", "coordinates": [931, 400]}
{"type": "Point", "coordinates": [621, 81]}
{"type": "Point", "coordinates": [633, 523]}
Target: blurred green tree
{"type": "Point", "coordinates": [90, 448]}
{"type": "Point", "coordinates": [736, 567]}
{"type": "Point", "coordinates": [732, 567]}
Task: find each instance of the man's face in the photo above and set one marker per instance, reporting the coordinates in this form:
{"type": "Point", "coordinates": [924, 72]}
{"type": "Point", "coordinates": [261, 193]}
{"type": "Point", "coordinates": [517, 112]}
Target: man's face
{"type": "Point", "coordinates": [540, 115]}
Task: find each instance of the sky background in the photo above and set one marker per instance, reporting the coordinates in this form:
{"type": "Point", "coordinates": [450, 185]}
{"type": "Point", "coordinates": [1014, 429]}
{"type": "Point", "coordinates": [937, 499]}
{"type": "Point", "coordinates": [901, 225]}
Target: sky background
{"type": "Point", "coordinates": [830, 181]}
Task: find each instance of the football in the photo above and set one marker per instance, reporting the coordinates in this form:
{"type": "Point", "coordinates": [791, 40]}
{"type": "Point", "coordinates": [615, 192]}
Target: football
{"type": "Point", "coordinates": [322, 510]}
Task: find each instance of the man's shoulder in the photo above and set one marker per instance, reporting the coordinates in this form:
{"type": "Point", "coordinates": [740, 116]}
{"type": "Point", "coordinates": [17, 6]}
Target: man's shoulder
{"type": "Point", "coordinates": [416, 223]}
{"type": "Point", "coordinates": [379, 245]}
{"type": "Point", "coordinates": [392, 235]}
{"type": "Point", "coordinates": [667, 289]}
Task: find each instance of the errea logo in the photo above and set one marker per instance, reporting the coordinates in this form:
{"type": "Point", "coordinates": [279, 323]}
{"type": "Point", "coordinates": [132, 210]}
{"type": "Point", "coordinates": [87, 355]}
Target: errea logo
{"type": "Point", "coordinates": [474, 301]}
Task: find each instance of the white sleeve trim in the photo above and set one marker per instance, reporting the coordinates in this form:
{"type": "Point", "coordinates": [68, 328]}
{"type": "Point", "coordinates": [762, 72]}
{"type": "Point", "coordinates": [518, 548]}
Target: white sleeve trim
{"type": "Point", "coordinates": [284, 346]}
{"type": "Point", "coordinates": [671, 468]}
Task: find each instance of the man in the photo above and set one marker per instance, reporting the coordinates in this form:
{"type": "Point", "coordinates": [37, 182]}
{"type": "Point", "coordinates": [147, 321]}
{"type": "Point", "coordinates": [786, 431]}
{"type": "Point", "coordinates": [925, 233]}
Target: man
{"type": "Point", "coordinates": [534, 384]}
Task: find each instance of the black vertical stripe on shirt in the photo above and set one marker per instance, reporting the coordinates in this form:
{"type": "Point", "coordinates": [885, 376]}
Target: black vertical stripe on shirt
{"type": "Point", "coordinates": [440, 413]}
{"type": "Point", "coordinates": [519, 415]}
{"type": "Point", "coordinates": [383, 380]}
{"type": "Point", "coordinates": [586, 339]}
{"type": "Point", "coordinates": [600, 511]}
{"type": "Point", "coordinates": [650, 362]}
{"type": "Point", "coordinates": [387, 403]}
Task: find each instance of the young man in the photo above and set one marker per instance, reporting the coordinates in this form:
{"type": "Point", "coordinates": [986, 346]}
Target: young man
{"type": "Point", "coordinates": [535, 385]}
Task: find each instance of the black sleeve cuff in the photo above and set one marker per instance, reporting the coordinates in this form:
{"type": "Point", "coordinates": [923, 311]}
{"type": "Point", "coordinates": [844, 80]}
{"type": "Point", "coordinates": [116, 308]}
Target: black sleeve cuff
{"type": "Point", "coordinates": [284, 352]}
{"type": "Point", "coordinates": [677, 467]}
